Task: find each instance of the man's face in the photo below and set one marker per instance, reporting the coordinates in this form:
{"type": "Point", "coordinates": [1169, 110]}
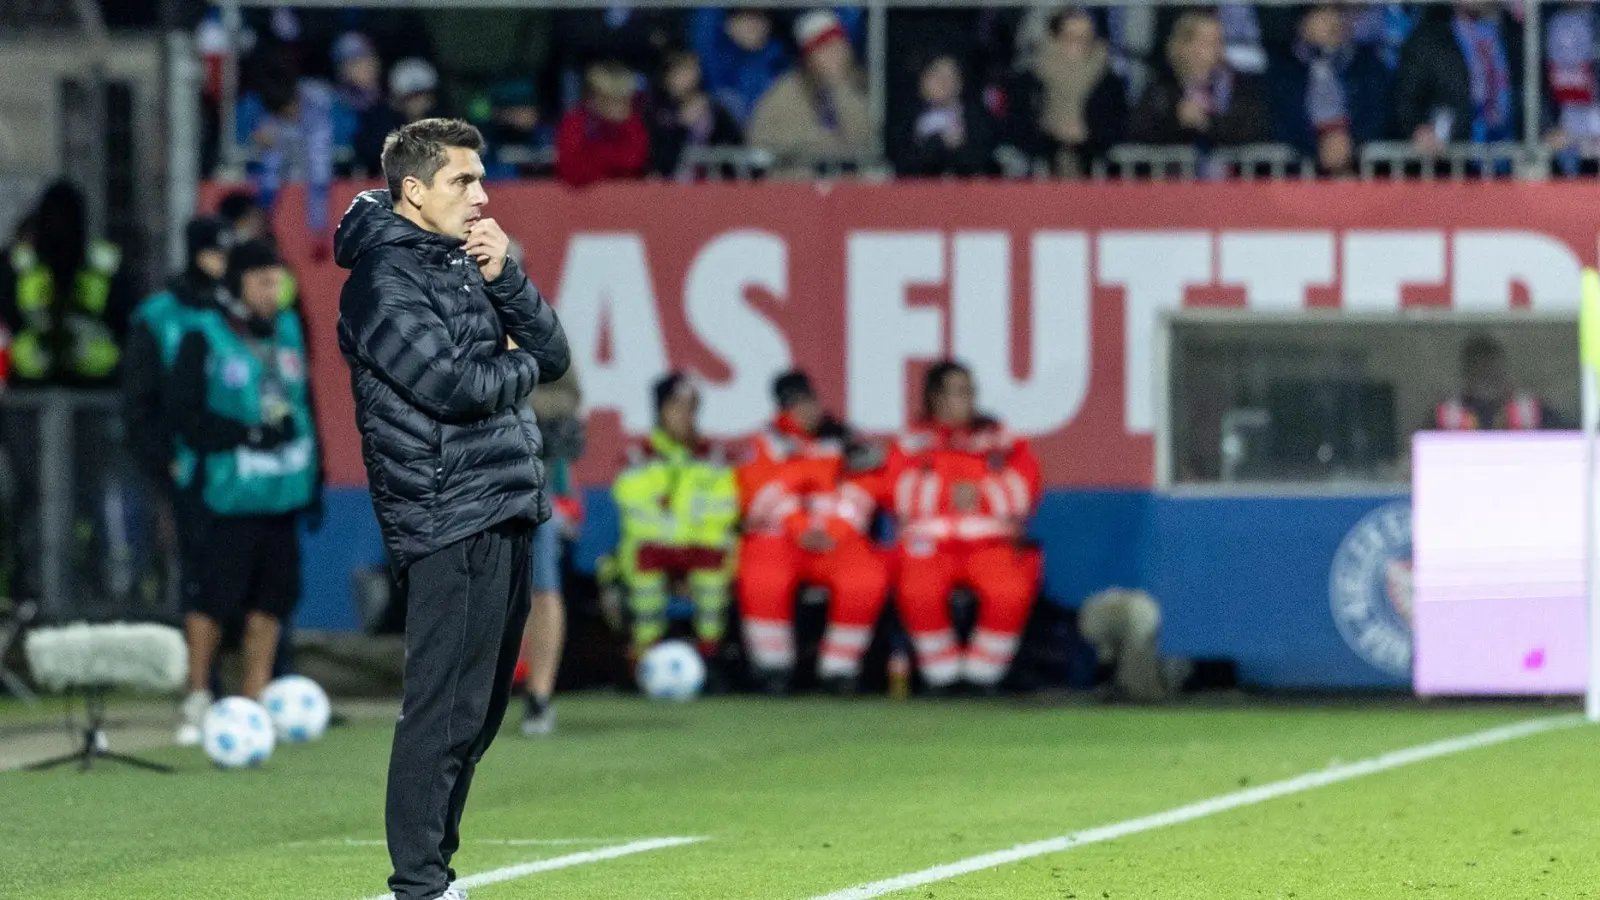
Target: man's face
{"type": "Point", "coordinates": [808, 412]}
{"type": "Point", "coordinates": [831, 63]}
{"type": "Point", "coordinates": [522, 118]}
{"type": "Point", "coordinates": [612, 107]}
{"type": "Point", "coordinates": [1077, 35]}
{"type": "Point", "coordinates": [260, 289]}
{"type": "Point", "coordinates": [954, 403]}
{"type": "Point", "coordinates": [749, 29]}
{"type": "Point", "coordinates": [212, 262]}
{"type": "Point", "coordinates": [1487, 378]}
{"type": "Point", "coordinates": [941, 82]}
{"type": "Point", "coordinates": [364, 72]}
{"type": "Point", "coordinates": [683, 78]}
{"type": "Point", "coordinates": [418, 106]}
{"type": "Point", "coordinates": [250, 226]}
{"type": "Point", "coordinates": [1323, 27]}
{"type": "Point", "coordinates": [456, 197]}
{"type": "Point", "coordinates": [1204, 50]}
{"type": "Point", "coordinates": [678, 415]}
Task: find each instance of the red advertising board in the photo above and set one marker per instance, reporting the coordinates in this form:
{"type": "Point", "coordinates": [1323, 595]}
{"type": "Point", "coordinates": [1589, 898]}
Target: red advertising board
{"type": "Point", "coordinates": [1051, 291]}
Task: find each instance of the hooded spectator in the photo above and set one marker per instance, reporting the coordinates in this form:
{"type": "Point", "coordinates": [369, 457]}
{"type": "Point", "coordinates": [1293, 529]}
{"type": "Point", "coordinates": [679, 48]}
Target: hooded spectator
{"type": "Point", "coordinates": [604, 138]}
{"type": "Point", "coordinates": [1329, 96]}
{"type": "Point", "coordinates": [1459, 77]}
{"type": "Point", "coordinates": [818, 111]}
{"type": "Point", "coordinates": [413, 96]}
{"type": "Point", "coordinates": [360, 88]}
{"type": "Point", "coordinates": [1072, 105]}
{"type": "Point", "coordinates": [1200, 100]}
{"type": "Point", "coordinates": [740, 56]}
{"type": "Point", "coordinates": [683, 115]}
{"type": "Point", "coordinates": [947, 133]}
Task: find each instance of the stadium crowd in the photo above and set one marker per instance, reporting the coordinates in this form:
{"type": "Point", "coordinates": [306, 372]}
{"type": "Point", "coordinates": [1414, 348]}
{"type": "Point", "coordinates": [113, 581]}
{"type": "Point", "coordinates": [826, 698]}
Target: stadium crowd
{"type": "Point", "coordinates": [626, 92]}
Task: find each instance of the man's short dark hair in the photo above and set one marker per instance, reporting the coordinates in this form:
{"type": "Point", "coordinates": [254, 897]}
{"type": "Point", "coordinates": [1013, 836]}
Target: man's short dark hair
{"type": "Point", "coordinates": [417, 150]}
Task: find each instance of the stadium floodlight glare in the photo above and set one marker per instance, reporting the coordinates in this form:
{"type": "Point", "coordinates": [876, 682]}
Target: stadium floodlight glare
{"type": "Point", "coordinates": [1589, 356]}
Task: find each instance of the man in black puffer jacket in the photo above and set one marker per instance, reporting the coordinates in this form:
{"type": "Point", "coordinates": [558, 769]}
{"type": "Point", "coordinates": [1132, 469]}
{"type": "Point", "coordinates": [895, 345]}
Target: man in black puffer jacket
{"type": "Point", "coordinates": [452, 456]}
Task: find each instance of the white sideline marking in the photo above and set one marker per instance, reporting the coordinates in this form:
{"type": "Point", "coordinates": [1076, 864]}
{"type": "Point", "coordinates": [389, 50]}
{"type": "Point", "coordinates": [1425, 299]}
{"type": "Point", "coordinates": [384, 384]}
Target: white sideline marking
{"type": "Point", "coordinates": [1209, 807]}
{"type": "Point", "coordinates": [523, 870]}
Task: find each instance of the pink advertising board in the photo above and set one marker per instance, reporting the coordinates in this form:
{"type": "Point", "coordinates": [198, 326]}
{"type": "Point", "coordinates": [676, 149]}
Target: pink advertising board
{"type": "Point", "coordinates": [1498, 563]}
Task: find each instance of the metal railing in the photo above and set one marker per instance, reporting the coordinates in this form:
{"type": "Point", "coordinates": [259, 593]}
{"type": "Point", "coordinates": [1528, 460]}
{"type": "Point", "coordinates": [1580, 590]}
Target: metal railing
{"type": "Point", "coordinates": [92, 539]}
{"type": "Point", "coordinates": [724, 164]}
{"type": "Point", "coordinates": [1399, 159]}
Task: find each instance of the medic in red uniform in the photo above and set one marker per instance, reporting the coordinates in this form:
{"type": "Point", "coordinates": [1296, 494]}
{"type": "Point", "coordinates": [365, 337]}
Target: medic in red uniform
{"type": "Point", "coordinates": [1489, 399]}
{"type": "Point", "coordinates": [962, 487]}
{"type": "Point", "coordinates": [806, 521]}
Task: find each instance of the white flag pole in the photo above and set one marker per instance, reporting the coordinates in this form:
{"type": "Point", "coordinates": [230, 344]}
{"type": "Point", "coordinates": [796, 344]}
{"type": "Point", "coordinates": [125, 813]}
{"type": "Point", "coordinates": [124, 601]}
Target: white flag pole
{"type": "Point", "coordinates": [1589, 353]}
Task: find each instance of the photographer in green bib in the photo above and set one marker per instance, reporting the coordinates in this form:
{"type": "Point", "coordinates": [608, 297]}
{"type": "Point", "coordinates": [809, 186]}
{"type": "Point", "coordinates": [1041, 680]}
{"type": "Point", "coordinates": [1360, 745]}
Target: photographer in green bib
{"type": "Point", "coordinates": [247, 462]}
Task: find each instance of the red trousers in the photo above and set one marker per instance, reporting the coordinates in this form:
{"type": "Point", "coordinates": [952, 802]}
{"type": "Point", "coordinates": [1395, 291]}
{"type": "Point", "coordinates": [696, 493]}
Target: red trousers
{"type": "Point", "coordinates": [772, 568]}
{"type": "Point", "coordinates": [1005, 578]}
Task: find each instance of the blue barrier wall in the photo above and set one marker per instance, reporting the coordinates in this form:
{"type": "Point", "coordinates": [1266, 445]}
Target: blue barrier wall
{"type": "Point", "coordinates": [1249, 579]}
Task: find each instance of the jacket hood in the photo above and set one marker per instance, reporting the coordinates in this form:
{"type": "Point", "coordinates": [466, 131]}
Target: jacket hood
{"type": "Point", "coordinates": [370, 223]}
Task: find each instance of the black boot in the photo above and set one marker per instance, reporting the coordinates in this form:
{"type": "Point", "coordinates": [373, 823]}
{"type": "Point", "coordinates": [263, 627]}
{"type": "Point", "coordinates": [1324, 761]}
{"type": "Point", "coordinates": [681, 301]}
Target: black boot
{"type": "Point", "coordinates": [841, 685]}
{"type": "Point", "coordinates": [772, 682]}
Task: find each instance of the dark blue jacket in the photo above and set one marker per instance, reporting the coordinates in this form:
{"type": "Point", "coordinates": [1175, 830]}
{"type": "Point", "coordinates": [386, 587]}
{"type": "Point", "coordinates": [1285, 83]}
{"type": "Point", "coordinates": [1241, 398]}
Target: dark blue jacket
{"type": "Point", "coordinates": [1366, 96]}
{"type": "Point", "coordinates": [732, 75]}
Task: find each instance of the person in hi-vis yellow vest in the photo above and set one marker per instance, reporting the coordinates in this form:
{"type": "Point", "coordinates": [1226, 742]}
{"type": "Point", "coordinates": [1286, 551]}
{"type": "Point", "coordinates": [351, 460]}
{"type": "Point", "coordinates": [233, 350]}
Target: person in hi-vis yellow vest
{"type": "Point", "coordinates": [679, 504]}
{"type": "Point", "coordinates": [64, 297]}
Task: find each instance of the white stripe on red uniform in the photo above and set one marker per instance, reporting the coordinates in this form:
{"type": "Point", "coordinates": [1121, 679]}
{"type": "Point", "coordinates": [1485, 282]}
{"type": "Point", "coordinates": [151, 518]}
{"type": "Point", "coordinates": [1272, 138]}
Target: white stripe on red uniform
{"type": "Point", "coordinates": [1021, 497]}
{"type": "Point", "coordinates": [999, 504]}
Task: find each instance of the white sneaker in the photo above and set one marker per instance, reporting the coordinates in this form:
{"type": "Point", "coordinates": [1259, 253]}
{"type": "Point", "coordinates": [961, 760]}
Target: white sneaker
{"type": "Point", "coordinates": [195, 707]}
{"type": "Point", "coordinates": [542, 725]}
{"type": "Point", "coordinates": [450, 893]}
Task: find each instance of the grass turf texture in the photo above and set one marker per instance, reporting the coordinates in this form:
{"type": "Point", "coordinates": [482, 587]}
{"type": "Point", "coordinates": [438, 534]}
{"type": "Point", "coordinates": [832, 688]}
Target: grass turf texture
{"type": "Point", "coordinates": [805, 797]}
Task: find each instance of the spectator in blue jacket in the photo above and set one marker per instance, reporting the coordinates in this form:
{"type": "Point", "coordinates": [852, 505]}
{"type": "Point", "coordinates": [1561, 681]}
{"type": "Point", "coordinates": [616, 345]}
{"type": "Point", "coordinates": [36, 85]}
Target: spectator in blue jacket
{"type": "Point", "coordinates": [288, 126]}
{"type": "Point", "coordinates": [740, 57]}
{"type": "Point", "coordinates": [1328, 95]}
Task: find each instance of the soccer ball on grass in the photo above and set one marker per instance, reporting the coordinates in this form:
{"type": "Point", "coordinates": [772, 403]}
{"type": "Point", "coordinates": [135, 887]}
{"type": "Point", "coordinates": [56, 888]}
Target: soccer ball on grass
{"type": "Point", "coordinates": [299, 708]}
{"type": "Point", "coordinates": [237, 733]}
{"type": "Point", "coordinates": [672, 670]}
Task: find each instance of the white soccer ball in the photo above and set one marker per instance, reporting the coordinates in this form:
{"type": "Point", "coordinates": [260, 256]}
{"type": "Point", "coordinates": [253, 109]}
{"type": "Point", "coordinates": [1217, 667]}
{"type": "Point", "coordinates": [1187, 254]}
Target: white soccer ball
{"type": "Point", "coordinates": [237, 733]}
{"type": "Point", "coordinates": [299, 708]}
{"type": "Point", "coordinates": [672, 670]}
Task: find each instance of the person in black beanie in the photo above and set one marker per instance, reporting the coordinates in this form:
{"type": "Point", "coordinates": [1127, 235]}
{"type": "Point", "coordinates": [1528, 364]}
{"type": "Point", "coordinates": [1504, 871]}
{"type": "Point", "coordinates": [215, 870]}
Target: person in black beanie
{"type": "Point", "coordinates": [157, 326]}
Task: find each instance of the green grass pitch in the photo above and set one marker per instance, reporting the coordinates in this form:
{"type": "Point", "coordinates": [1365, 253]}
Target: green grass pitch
{"type": "Point", "coordinates": [802, 798]}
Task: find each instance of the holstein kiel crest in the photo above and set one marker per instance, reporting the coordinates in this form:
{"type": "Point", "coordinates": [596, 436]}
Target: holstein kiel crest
{"type": "Point", "coordinates": [1369, 588]}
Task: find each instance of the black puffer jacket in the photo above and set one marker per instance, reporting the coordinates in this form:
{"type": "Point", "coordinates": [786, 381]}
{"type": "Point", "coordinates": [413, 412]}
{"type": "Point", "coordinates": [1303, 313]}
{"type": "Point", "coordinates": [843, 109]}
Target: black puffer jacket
{"type": "Point", "coordinates": [450, 447]}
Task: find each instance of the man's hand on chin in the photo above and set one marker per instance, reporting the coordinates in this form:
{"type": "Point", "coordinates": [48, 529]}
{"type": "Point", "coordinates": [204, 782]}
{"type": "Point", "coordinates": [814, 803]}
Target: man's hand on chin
{"type": "Point", "coordinates": [487, 244]}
